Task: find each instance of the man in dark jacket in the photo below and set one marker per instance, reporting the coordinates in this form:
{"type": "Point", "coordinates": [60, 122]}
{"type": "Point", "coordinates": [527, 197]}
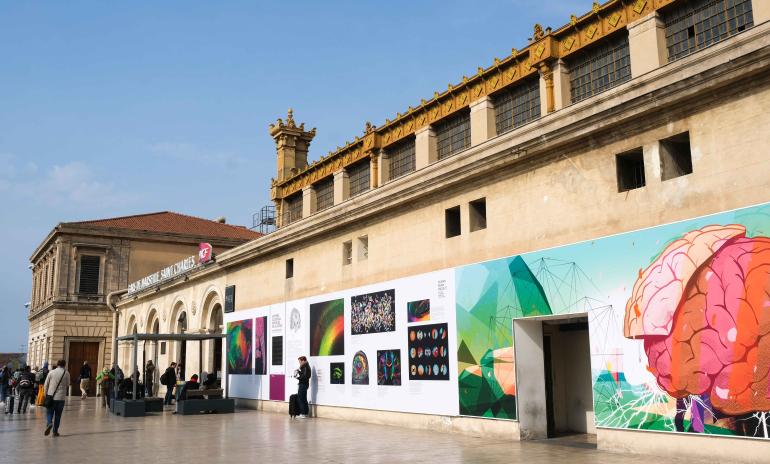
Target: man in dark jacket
{"type": "Point", "coordinates": [25, 389]}
{"type": "Point", "coordinates": [303, 383]}
{"type": "Point", "coordinates": [169, 380]}
{"type": "Point", "coordinates": [85, 379]}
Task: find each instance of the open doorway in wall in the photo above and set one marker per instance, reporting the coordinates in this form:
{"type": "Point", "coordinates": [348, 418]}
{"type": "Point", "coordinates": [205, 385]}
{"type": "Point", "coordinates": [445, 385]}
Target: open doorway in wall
{"type": "Point", "coordinates": [553, 378]}
{"type": "Point", "coordinates": [567, 370]}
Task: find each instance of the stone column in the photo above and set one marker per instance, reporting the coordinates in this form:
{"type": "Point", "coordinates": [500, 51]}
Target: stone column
{"type": "Point", "coordinates": [547, 102]}
{"type": "Point", "coordinates": [761, 11]}
{"type": "Point", "coordinates": [425, 147]}
{"type": "Point", "coordinates": [482, 120]}
{"type": "Point", "coordinates": [374, 172]}
{"type": "Point", "coordinates": [647, 44]}
{"type": "Point", "coordinates": [308, 201]}
{"type": "Point", "coordinates": [384, 167]}
{"type": "Point", "coordinates": [561, 92]}
{"type": "Point", "coordinates": [341, 186]}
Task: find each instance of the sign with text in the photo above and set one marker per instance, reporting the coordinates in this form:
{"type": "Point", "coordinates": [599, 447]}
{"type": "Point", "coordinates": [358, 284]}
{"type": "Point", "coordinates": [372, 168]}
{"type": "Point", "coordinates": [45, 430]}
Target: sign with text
{"type": "Point", "coordinates": [230, 298]}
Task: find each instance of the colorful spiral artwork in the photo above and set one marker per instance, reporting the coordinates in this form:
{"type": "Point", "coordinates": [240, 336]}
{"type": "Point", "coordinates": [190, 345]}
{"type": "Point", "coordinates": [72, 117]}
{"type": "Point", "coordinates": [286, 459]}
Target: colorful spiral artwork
{"type": "Point", "coordinates": [327, 328]}
{"type": "Point", "coordinates": [388, 367]}
{"type": "Point", "coordinates": [360, 369]}
{"type": "Point", "coordinates": [239, 348]}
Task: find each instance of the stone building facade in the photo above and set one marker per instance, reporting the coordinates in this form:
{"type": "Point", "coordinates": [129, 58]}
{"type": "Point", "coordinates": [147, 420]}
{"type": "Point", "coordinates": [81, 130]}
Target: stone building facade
{"type": "Point", "coordinates": [79, 264]}
{"type": "Point", "coordinates": [637, 122]}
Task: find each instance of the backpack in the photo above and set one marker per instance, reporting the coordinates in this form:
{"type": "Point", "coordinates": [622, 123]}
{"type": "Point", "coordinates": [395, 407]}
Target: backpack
{"type": "Point", "coordinates": [25, 382]}
{"type": "Point", "coordinates": [164, 379]}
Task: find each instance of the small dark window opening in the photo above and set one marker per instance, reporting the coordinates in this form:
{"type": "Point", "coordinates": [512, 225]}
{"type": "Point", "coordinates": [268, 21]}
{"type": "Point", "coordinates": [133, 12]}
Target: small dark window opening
{"type": "Point", "coordinates": [675, 156]}
{"type": "Point", "coordinates": [452, 221]}
{"type": "Point", "coordinates": [478, 214]}
{"type": "Point", "coordinates": [88, 281]}
{"type": "Point", "coordinates": [290, 268]}
{"type": "Point", "coordinates": [630, 166]}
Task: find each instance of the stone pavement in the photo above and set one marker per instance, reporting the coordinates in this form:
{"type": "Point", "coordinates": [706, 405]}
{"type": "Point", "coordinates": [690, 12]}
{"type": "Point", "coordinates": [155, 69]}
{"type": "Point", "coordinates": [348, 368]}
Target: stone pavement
{"type": "Point", "coordinates": [90, 434]}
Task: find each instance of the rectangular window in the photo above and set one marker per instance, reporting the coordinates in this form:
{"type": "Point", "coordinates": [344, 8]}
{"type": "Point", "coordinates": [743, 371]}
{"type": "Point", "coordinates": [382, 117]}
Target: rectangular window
{"type": "Point", "coordinates": [347, 253]}
{"type": "Point", "coordinates": [359, 178]}
{"type": "Point", "coordinates": [324, 194]}
{"type": "Point", "coordinates": [401, 158]}
{"type": "Point", "coordinates": [292, 209]}
{"type": "Point", "coordinates": [675, 156]}
{"type": "Point", "coordinates": [452, 221]}
{"type": "Point", "coordinates": [88, 275]}
{"type": "Point", "coordinates": [518, 105]}
{"type": "Point", "coordinates": [290, 268]}
{"type": "Point", "coordinates": [630, 170]}
{"type": "Point", "coordinates": [600, 68]}
{"type": "Point", "coordinates": [453, 134]}
{"type": "Point", "coordinates": [363, 248]}
{"type": "Point", "coordinates": [697, 24]}
{"type": "Point", "coordinates": [478, 214]}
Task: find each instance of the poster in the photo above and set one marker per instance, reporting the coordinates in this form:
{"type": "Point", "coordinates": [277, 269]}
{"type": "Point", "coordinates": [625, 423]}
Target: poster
{"type": "Point", "coordinates": [337, 373]}
{"type": "Point", "coordinates": [360, 372]}
{"type": "Point", "coordinates": [239, 346]}
{"type": "Point", "coordinates": [260, 346]}
{"type": "Point", "coordinates": [418, 311]}
{"type": "Point", "coordinates": [429, 352]}
{"type": "Point", "coordinates": [373, 312]}
{"type": "Point", "coordinates": [327, 326]}
{"type": "Point", "coordinates": [388, 367]}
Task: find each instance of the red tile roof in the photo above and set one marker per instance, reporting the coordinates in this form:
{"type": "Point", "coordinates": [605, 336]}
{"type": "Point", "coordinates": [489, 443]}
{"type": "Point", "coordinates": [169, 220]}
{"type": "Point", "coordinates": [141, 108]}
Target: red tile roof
{"type": "Point", "coordinates": [174, 223]}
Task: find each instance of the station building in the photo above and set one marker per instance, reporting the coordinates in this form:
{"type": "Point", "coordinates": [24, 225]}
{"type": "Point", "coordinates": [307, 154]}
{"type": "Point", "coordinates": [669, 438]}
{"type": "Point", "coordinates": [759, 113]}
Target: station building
{"type": "Point", "coordinates": [79, 264]}
{"type": "Point", "coordinates": [573, 239]}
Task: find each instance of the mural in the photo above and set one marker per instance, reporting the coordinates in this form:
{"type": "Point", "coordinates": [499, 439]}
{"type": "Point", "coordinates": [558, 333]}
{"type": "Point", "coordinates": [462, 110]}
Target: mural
{"type": "Point", "coordinates": [239, 349]}
{"type": "Point", "coordinates": [388, 367]}
{"type": "Point", "coordinates": [679, 320]}
{"type": "Point", "coordinates": [327, 328]}
{"type": "Point", "coordinates": [336, 373]}
{"type": "Point", "coordinates": [373, 313]}
{"type": "Point", "coordinates": [418, 311]}
{"type": "Point", "coordinates": [360, 369]}
{"type": "Point", "coordinates": [260, 346]}
{"type": "Point", "coordinates": [428, 352]}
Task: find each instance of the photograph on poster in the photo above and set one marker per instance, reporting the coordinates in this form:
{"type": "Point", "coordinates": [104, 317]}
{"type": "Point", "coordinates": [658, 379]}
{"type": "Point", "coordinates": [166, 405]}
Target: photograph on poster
{"type": "Point", "coordinates": [295, 321]}
{"type": "Point", "coordinates": [360, 369]}
{"type": "Point", "coordinates": [429, 352]}
{"type": "Point", "coordinates": [418, 311]}
{"type": "Point", "coordinates": [327, 328]}
{"type": "Point", "coordinates": [388, 367]}
{"type": "Point", "coordinates": [277, 359]}
{"type": "Point", "coordinates": [337, 373]}
{"type": "Point", "coordinates": [373, 313]}
{"type": "Point", "coordinates": [260, 346]}
{"type": "Point", "coordinates": [239, 346]}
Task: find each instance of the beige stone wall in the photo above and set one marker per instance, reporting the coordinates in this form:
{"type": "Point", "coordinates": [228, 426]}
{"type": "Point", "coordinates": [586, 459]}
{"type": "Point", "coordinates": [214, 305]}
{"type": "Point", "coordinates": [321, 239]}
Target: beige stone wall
{"type": "Point", "coordinates": [149, 257]}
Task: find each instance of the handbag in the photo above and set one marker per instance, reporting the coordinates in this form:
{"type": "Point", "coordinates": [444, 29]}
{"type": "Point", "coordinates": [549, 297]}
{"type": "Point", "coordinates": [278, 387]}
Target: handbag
{"type": "Point", "coordinates": [48, 400]}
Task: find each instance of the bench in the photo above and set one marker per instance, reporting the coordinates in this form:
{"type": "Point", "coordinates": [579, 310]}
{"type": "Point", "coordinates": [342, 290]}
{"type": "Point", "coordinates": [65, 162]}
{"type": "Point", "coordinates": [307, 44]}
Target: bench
{"type": "Point", "coordinates": [127, 408]}
{"type": "Point", "coordinates": [153, 404]}
{"type": "Point", "coordinates": [213, 393]}
{"type": "Point", "coordinates": [204, 406]}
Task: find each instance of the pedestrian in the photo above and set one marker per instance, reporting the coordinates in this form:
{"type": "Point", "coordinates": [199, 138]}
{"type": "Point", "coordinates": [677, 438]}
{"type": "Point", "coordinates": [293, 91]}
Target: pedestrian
{"type": "Point", "coordinates": [5, 376]}
{"type": "Point", "coordinates": [56, 387]}
{"type": "Point", "coordinates": [25, 389]}
{"type": "Point", "coordinates": [105, 379]}
{"type": "Point", "coordinates": [169, 380]}
{"type": "Point", "coordinates": [40, 381]}
{"type": "Point", "coordinates": [303, 374]}
{"type": "Point", "coordinates": [85, 379]}
{"type": "Point", "coordinates": [149, 376]}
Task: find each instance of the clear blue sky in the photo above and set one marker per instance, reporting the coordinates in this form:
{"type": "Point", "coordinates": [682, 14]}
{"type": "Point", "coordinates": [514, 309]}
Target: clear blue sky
{"type": "Point", "coordinates": [109, 108]}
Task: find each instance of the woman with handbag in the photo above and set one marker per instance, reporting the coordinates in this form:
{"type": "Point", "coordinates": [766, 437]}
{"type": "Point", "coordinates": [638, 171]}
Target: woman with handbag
{"type": "Point", "coordinates": [56, 384]}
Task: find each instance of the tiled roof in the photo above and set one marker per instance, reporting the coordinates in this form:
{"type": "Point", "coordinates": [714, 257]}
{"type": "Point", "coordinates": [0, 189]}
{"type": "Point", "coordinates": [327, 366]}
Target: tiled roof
{"type": "Point", "coordinates": [174, 223]}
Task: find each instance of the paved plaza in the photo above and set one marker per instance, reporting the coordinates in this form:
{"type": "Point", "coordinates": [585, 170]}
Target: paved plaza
{"type": "Point", "coordinates": [90, 434]}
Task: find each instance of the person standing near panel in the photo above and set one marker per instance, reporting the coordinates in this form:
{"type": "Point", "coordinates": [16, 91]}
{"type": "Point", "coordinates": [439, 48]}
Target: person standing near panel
{"type": "Point", "coordinates": [303, 383]}
{"type": "Point", "coordinates": [85, 379]}
{"type": "Point", "coordinates": [56, 386]}
{"type": "Point", "coordinates": [169, 380]}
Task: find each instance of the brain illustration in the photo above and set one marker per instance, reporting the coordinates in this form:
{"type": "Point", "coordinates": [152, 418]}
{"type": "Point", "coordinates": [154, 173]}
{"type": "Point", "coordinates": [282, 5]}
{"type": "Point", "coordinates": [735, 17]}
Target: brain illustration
{"type": "Point", "coordinates": [703, 311]}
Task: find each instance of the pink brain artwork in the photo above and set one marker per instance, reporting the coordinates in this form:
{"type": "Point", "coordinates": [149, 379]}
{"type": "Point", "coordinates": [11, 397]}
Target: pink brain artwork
{"type": "Point", "coordinates": [703, 311]}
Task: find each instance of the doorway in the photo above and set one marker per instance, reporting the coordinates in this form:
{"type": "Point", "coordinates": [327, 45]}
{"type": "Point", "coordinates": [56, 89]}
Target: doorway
{"type": "Point", "coordinates": [80, 352]}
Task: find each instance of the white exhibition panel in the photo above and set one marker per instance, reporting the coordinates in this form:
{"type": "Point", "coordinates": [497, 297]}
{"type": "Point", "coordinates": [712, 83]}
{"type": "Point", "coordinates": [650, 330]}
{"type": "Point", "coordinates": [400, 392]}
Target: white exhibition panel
{"type": "Point", "coordinates": [421, 396]}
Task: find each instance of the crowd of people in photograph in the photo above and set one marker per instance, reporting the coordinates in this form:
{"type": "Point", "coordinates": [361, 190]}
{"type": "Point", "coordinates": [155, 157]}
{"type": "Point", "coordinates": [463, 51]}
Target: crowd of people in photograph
{"type": "Point", "coordinates": [373, 313]}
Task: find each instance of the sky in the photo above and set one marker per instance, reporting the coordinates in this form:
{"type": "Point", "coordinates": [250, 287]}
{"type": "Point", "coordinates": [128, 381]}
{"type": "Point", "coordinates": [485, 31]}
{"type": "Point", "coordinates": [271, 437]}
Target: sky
{"type": "Point", "coordinates": [109, 109]}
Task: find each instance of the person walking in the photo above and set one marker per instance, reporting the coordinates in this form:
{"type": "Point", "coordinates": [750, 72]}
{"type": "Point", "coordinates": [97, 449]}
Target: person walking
{"type": "Point", "coordinates": [25, 389]}
{"type": "Point", "coordinates": [169, 380]}
{"type": "Point", "coordinates": [303, 375]}
{"type": "Point", "coordinates": [56, 387]}
{"type": "Point", "coordinates": [85, 379]}
{"type": "Point", "coordinates": [40, 381]}
{"type": "Point", "coordinates": [5, 377]}
{"type": "Point", "coordinates": [105, 379]}
{"type": "Point", "coordinates": [149, 376]}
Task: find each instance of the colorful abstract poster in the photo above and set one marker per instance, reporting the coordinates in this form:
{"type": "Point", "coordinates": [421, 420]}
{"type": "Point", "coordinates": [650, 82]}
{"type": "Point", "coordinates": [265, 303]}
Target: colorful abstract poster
{"type": "Point", "coordinates": [677, 316]}
{"type": "Point", "coordinates": [327, 328]}
{"type": "Point", "coordinates": [429, 352]}
{"type": "Point", "coordinates": [418, 311]}
{"type": "Point", "coordinates": [360, 372]}
{"type": "Point", "coordinates": [260, 346]}
{"type": "Point", "coordinates": [373, 313]}
{"type": "Point", "coordinates": [337, 373]}
{"type": "Point", "coordinates": [239, 348]}
{"type": "Point", "coordinates": [388, 367]}
{"type": "Point", "coordinates": [277, 387]}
